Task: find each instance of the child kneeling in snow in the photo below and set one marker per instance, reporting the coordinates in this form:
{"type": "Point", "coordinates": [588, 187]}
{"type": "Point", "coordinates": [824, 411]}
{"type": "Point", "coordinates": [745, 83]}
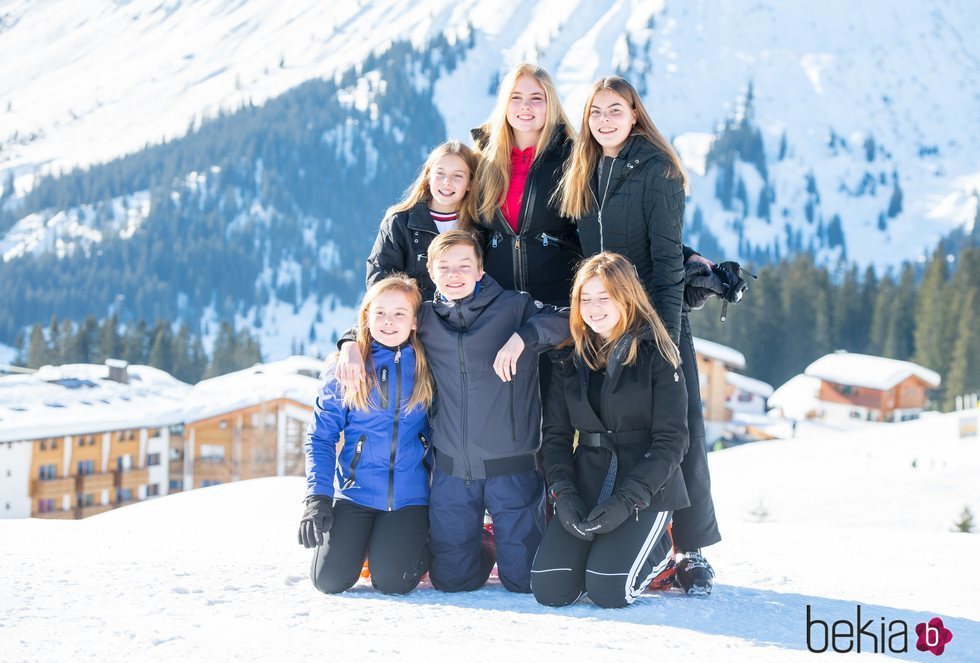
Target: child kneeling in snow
{"type": "Point", "coordinates": [371, 500]}
{"type": "Point", "coordinates": [485, 419]}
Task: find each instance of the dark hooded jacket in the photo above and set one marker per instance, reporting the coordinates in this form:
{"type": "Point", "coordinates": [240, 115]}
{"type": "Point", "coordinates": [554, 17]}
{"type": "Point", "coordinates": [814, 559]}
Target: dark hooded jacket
{"type": "Point", "coordinates": [642, 422]}
{"type": "Point", "coordinates": [540, 258]}
{"type": "Point", "coordinates": [639, 213]}
{"type": "Point", "coordinates": [482, 426]}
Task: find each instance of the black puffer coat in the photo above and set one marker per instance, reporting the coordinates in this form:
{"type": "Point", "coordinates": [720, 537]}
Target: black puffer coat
{"type": "Point", "coordinates": [639, 213]}
{"type": "Point", "coordinates": [402, 245]}
{"type": "Point", "coordinates": [643, 422]}
{"type": "Point", "coordinates": [540, 258]}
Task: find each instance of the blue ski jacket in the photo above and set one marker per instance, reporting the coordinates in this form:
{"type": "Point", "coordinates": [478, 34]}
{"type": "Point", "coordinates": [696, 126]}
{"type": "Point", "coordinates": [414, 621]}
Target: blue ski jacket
{"type": "Point", "coordinates": [380, 465]}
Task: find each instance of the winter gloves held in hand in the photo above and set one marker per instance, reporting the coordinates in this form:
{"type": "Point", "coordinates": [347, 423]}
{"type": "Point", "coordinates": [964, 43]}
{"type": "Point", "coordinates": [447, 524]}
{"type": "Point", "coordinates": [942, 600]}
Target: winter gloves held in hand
{"type": "Point", "coordinates": [604, 518]}
{"type": "Point", "coordinates": [702, 282]}
{"type": "Point", "coordinates": [317, 520]}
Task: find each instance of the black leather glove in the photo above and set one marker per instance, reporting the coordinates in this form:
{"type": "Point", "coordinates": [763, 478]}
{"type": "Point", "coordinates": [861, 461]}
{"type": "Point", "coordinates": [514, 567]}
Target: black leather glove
{"type": "Point", "coordinates": [569, 508]}
{"type": "Point", "coordinates": [700, 284]}
{"type": "Point", "coordinates": [610, 514]}
{"type": "Point", "coordinates": [317, 520]}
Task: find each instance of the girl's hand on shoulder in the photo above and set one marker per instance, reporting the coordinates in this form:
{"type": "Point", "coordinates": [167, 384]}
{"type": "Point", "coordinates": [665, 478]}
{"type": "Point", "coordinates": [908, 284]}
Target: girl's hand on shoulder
{"type": "Point", "coordinates": [350, 366]}
{"type": "Point", "coordinates": [505, 364]}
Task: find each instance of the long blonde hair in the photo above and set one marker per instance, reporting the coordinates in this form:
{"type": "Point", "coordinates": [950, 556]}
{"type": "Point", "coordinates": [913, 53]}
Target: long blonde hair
{"type": "Point", "coordinates": [423, 389]}
{"type": "Point", "coordinates": [573, 191]}
{"type": "Point", "coordinates": [493, 175]}
{"type": "Point", "coordinates": [418, 191]}
{"type": "Point", "coordinates": [635, 313]}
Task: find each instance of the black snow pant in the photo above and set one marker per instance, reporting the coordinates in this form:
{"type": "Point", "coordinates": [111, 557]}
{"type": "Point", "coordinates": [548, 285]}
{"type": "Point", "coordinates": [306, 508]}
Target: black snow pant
{"type": "Point", "coordinates": [695, 526]}
{"type": "Point", "coordinates": [461, 556]}
{"type": "Point", "coordinates": [613, 569]}
{"type": "Point", "coordinates": [394, 543]}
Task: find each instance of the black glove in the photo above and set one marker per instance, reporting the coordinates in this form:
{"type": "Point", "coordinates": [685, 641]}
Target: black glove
{"type": "Point", "coordinates": [569, 508]}
{"type": "Point", "coordinates": [317, 520]}
{"type": "Point", "coordinates": [734, 285]}
{"type": "Point", "coordinates": [700, 284]}
{"type": "Point", "coordinates": [610, 514]}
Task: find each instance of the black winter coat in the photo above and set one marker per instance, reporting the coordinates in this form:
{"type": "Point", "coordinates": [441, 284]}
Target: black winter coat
{"type": "Point", "coordinates": [541, 257]}
{"type": "Point", "coordinates": [402, 245]}
{"type": "Point", "coordinates": [639, 213]}
{"type": "Point", "coordinates": [644, 422]}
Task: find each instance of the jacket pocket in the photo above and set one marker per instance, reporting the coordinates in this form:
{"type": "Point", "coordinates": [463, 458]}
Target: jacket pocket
{"type": "Point", "coordinates": [551, 240]}
{"type": "Point", "coordinates": [358, 448]}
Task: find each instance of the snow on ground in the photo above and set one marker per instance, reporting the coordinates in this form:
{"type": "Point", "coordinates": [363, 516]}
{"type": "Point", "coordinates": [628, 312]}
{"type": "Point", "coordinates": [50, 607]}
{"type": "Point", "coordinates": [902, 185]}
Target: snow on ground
{"type": "Point", "coordinates": [215, 574]}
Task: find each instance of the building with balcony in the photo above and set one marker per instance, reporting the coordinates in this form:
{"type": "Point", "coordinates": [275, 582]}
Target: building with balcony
{"type": "Point", "coordinates": [77, 440]}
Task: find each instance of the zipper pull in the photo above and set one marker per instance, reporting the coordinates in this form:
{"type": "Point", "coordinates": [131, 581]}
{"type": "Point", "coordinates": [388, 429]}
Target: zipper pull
{"type": "Point", "coordinates": [360, 445]}
{"type": "Point", "coordinates": [517, 243]}
{"type": "Point", "coordinates": [544, 238]}
{"type": "Point", "coordinates": [496, 238]}
{"type": "Point", "coordinates": [398, 355]}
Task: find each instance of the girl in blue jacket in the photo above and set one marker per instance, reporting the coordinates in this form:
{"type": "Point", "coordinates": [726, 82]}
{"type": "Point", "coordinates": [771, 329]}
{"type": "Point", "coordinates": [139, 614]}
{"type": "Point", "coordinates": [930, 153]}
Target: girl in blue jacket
{"type": "Point", "coordinates": [369, 501]}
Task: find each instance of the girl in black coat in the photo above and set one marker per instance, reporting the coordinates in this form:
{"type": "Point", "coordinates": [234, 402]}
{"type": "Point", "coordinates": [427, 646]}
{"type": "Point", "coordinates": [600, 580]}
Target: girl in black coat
{"type": "Point", "coordinates": [625, 186]}
{"type": "Point", "coordinates": [441, 198]}
{"type": "Point", "coordinates": [621, 390]}
{"type": "Point", "coordinates": [524, 146]}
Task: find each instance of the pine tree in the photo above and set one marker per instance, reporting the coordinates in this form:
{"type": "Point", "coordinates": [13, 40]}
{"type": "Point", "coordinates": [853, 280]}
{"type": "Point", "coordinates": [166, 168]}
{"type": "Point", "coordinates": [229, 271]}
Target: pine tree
{"type": "Point", "coordinates": [37, 350]}
{"type": "Point", "coordinates": [162, 350]}
{"type": "Point", "coordinates": [964, 371]}
{"type": "Point", "coordinates": [134, 348]}
{"type": "Point", "coordinates": [965, 523]}
{"type": "Point", "coordinates": [900, 338]}
{"type": "Point", "coordinates": [931, 315]}
{"type": "Point", "coordinates": [109, 343]}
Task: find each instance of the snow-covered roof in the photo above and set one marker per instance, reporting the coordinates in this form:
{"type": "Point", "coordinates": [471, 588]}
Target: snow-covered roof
{"type": "Point", "coordinates": [868, 371]}
{"type": "Point", "coordinates": [77, 399]}
{"type": "Point", "coordinates": [751, 385]}
{"type": "Point", "coordinates": [295, 378]}
{"type": "Point", "coordinates": [797, 397]}
{"type": "Point", "coordinates": [722, 353]}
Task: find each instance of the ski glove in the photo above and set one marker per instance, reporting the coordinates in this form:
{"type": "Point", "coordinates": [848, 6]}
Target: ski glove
{"type": "Point", "coordinates": [610, 514]}
{"type": "Point", "coordinates": [317, 520]}
{"type": "Point", "coordinates": [733, 285]}
{"type": "Point", "coordinates": [700, 284]}
{"type": "Point", "coordinates": [569, 508]}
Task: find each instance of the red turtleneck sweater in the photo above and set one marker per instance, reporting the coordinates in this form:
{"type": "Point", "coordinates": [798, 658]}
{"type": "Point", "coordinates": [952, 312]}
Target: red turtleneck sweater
{"type": "Point", "coordinates": [520, 166]}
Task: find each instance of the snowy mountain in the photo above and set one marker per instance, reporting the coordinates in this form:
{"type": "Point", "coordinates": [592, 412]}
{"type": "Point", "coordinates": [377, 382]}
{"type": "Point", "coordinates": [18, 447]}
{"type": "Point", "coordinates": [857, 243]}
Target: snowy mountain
{"type": "Point", "coordinates": [216, 574]}
{"type": "Point", "coordinates": [846, 131]}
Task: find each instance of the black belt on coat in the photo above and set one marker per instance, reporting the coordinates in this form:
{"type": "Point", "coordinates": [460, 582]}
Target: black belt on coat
{"type": "Point", "coordinates": [610, 440]}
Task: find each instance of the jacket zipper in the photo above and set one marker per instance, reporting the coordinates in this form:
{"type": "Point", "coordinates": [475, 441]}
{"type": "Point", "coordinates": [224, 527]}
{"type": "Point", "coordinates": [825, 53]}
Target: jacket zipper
{"type": "Point", "coordinates": [394, 430]}
{"type": "Point", "coordinates": [354, 461]}
{"type": "Point", "coordinates": [462, 373]}
{"type": "Point", "coordinates": [513, 411]}
{"type": "Point", "coordinates": [612, 169]}
{"type": "Point", "coordinates": [383, 388]}
{"type": "Point", "coordinates": [547, 239]}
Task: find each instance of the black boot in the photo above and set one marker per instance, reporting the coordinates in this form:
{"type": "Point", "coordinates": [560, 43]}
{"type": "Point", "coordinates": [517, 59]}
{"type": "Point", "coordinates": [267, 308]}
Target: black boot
{"type": "Point", "coordinates": [694, 575]}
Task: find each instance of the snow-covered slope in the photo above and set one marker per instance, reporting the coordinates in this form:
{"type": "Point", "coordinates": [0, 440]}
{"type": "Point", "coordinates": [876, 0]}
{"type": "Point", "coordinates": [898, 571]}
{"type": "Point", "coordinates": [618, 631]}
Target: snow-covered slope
{"type": "Point", "coordinates": [825, 77]}
{"type": "Point", "coordinates": [215, 574]}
